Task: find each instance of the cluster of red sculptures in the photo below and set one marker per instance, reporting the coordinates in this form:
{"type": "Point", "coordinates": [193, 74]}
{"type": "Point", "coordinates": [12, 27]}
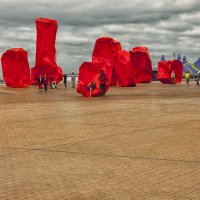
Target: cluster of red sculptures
{"type": "Point", "coordinates": [165, 69]}
{"type": "Point", "coordinates": [15, 66]}
{"type": "Point", "coordinates": [123, 68]}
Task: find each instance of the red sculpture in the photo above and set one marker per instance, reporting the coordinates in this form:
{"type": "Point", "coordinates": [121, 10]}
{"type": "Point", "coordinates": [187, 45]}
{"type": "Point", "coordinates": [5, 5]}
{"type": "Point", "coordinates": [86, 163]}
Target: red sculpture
{"type": "Point", "coordinates": [89, 72]}
{"type": "Point", "coordinates": [15, 68]}
{"type": "Point", "coordinates": [106, 49]}
{"type": "Point", "coordinates": [124, 70]}
{"type": "Point", "coordinates": [142, 65]}
{"type": "Point", "coordinates": [45, 51]}
{"type": "Point", "coordinates": [165, 69]}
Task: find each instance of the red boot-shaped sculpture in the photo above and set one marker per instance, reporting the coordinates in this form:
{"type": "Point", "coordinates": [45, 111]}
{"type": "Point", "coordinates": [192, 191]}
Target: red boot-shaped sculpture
{"type": "Point", "coordinates": [45, 62]}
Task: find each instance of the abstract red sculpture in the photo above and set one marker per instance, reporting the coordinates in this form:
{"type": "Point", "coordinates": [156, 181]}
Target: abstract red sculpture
{"type": "Point", "coordinates": [15, 68]}
{"type": "Point", "coordinates": [165, 69]}
{"type": "Point", "coordinates": [90, 71]}
{"type": "Point", "coordinates": [124, 70]}
{"type": "Point", "coordinates": [106, 49]}
{"type": "Point", "coordinates": [142, 65]}
{"type": "Point", "coordinates": [45, 62]}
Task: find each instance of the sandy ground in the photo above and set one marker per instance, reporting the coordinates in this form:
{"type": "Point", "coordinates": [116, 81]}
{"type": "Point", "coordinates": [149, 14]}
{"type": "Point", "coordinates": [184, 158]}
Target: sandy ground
{"type": "Point", "coordinates": [134, 143]}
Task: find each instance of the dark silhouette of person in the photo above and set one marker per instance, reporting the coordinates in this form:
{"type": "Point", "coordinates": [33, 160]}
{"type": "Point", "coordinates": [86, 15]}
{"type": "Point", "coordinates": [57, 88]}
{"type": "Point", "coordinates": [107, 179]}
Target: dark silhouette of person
{"type": "Point", "coordinates": [103, 82]}
{"type": "Point", "coordinates": [45, 81]}
{"type": "Point", "coordinates": [40, 82]}
{"type": "Point", "coordinates": [65, 80]}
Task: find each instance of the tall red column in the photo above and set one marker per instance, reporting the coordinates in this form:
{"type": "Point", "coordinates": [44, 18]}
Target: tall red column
{"type": "Point", "coordinates": [45, 62]}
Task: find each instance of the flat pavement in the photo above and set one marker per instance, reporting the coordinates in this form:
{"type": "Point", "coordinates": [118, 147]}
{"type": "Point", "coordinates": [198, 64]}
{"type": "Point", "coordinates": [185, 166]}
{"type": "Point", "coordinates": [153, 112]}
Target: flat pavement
{"type": "Point", "coordinates": [134, 143]}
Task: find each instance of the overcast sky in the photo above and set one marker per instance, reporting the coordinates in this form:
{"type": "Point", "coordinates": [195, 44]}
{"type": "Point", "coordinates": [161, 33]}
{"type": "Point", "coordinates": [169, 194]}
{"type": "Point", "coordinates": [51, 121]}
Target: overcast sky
{"type": "Point", "coordinates": [163, 26]}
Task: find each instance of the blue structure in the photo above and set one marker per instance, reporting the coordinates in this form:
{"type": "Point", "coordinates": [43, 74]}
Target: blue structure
{"type": "Point", "coordinates": [193, 68]}
{"type": "Point", "coordinates": [162, 58]}
{"type": "Point", "coordinates": [179, 57]}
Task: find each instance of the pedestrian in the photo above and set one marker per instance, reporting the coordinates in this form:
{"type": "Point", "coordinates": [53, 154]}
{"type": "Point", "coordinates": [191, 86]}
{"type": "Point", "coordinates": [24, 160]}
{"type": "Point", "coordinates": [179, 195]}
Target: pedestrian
{"type": "Point", "coordinates": [73, 80]}
{"type": "Point", "coordinates": [91, 87]}
{"type": "Point", "coordinates": [173, 78]}
{"type": "Point", "coordinates": [51, 82]}
{"type": "Point", "coordinates": [65, 80]}
{"type": "Point", "coordinates": [54, 86]}
{"type": "Point", "coordinates": [45, 82]}
{"type": "Point", "coordinates": [103, 82]}
{"type": "Point", "coordinates": [187, 76]}
{"type": "Point", "coordinates": [198, 78]}
{"type": "Point", "coordinates": [40, 82]}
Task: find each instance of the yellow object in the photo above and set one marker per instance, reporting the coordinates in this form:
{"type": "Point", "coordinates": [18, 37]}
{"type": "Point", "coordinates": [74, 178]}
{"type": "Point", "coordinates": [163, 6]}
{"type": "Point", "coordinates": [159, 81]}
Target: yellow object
{"type": "Point", "coordinates": [187, 75]}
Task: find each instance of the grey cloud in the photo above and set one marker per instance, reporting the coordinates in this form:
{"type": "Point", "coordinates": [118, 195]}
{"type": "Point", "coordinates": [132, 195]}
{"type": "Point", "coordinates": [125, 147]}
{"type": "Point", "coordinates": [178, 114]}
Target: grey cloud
{"type": "Point", "coordinates": [163, 26]}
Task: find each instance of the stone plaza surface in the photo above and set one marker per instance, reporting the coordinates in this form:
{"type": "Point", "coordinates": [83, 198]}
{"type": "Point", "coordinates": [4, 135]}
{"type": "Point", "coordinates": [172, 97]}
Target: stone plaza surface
{"type": "Point", "coordinates": [134, 143]}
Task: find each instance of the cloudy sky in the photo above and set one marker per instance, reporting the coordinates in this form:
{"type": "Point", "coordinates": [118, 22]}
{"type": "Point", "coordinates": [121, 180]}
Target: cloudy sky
{"type": "Point", "coordinates": [162, 26]}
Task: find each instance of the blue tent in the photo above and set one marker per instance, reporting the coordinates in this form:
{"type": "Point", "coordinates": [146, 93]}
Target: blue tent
{"type": "Point", "coordinates": [197, 64]}
{"type": "Point", "coordinates": [162, 58]}
{"type": "Point", "coordinates": [193, 68]}
{"type": "Point", "coordinates": [179, 57]}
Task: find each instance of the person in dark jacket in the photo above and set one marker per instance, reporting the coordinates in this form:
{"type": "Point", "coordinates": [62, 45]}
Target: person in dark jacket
{"type": "Point", "coordinates": [40, 82]}
{"type": "Point", "coordinates": [45, 82]}
{"type": "Point", "coordinates": [65, 80]}
{"type": "Point", "coordinates": [103, 82]}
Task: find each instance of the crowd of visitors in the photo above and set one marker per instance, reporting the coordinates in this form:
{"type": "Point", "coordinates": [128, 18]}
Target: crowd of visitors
{"type": "Point", "coordinates": [44, 81]}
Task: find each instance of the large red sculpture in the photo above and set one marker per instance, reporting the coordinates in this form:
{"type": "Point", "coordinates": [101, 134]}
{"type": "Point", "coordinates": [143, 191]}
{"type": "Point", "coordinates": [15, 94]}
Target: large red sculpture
{"type": "Point", "coordinates": [90, 71]}
{"type": "Point", "coordinates": [142, 65]}
{"type": "Point", "coordinates": [45, 62]}
{"type": "Point", "coordinates": [165, 69]}
{"type": "Point", "coordinates": [124, 70]}
{"type": "Point", "coordinates": [15, 68]}
{"type": "Point", "coordinates": [106, 49]}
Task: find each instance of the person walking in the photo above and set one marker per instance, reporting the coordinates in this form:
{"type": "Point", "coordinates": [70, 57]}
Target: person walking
{"type": "Point", "coordinates": [103, 82]}
{"type": "Point", "coordinates": [40, 82]}
{"type": "Point", "coordinates": [173, 78]}
{"type": "Point", "coordinates": [51, 82]}
{"type": "Point", "coordinates": [187, 76]}
{"type": "Point", "coordinates": [91, 87]}
{"type": "Point", "coordinates": [45, 82]}
{"type": "Point", "coordinates": [198, 78]}
{"type": "Point", "coordinates": [73, 80]}
{"type": "Point", "coordinates": [65, 80]}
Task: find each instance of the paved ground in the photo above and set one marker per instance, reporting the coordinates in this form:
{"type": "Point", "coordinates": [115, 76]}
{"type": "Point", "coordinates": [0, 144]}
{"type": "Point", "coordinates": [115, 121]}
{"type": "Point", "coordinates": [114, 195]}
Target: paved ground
{"type": "Point", "coordinates": [135, 143]}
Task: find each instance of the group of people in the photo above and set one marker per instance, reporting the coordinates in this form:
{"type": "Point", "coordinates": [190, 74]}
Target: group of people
{"type": "Point", "coordinates": [197, 78]}
{"type": "Point", "coordinates": [187, 78]}
{"type": "Point", "coordinates": [102, 83]}
{"type": "Point", "coordinates": [44, 81]}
